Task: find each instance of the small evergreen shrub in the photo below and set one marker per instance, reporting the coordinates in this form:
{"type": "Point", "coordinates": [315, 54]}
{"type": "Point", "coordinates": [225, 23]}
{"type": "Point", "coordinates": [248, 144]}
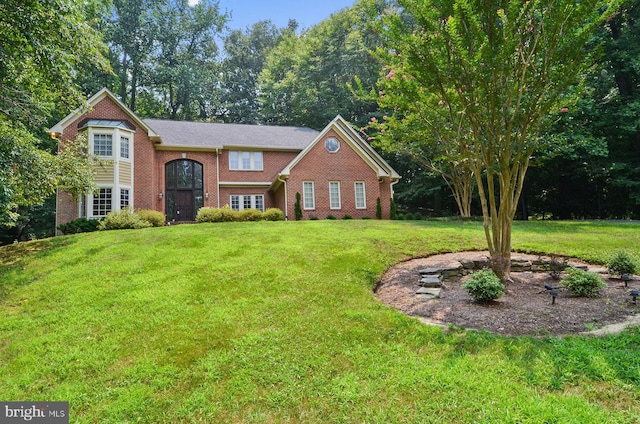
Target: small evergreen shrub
{"type": "Point", "coordinates": [249, 215]}
{"type": "Point", "coordinates": [155, 218]}
{"type": "Point", "coordinates": [622, 263]}
{"type": "Point", "coordinates": [297, 209]}
{"type": "Point", "coordinates": [484, 286]}
{"type": "Point", "coordinates": [330, 217]}
{"type": "Point", "coordinates": [378, 209]}
{"type": "Point", "coordinates": [394, 210]}
{"type": "Point", "coordinates": [313, 218]}
{"type": "Point", "coordinates": [582, 283]}
{"type": "Point", "coordinates": [366, 217]}
{"type": "Point", "coordinates": [347, 217]}
{"type": "Point", "coordinates": [273, 214]}
{"type": "Point", "coordinates": [123, 220]}
{"type": "Point", "coordinates": [80, 225]}
{"type": "Point", "coordinates": [224, 214]}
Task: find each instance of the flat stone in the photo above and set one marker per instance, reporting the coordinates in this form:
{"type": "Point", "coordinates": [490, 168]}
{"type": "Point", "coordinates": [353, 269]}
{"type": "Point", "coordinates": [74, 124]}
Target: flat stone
{"type": "Point", "coordinates": [468, 264]}
{"type": "Point", "coordinates": [429, 271]}
{"type": "Point", "coordinates": [426, 293]}
{"type": "Point", "coordinates": [431, 281]}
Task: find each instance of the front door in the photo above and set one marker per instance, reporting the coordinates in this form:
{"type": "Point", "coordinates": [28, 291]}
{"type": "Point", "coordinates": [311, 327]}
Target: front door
{"type": "Point", "coordinates": [184, 190]}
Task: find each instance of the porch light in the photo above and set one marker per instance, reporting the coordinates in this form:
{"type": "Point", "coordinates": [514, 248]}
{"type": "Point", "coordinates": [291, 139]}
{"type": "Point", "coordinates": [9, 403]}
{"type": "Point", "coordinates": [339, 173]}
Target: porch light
{"type": "Point", "coordinates": [634, 295]}
{"type": "Point", "coordinates": [160, 195]}
{"type": "Point", "coordinates": [206, 195]}
{"type": "Point", "coordinates": [626, 278]}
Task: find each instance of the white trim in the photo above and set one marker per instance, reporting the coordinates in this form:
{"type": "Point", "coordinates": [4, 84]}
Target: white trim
{"type": "Point", "coordinates": [364, 194]}
{"type": "Point", "coordinates": [252, 200]}
{"type": "Point", "coordinates": [244, 184]}
{"type": "Point", "coordinates": [331, 199]}
{"type": "Point", "coordinates": [304, 196]}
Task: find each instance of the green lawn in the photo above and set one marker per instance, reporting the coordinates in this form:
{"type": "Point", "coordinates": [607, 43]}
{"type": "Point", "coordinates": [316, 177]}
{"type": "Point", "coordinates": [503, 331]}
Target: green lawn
{"type": "Point", "coordinates": [276, 322]}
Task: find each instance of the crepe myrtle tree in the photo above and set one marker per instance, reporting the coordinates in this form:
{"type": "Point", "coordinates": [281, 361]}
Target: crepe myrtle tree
{"type": "Point", "coordinates": [499, 69]}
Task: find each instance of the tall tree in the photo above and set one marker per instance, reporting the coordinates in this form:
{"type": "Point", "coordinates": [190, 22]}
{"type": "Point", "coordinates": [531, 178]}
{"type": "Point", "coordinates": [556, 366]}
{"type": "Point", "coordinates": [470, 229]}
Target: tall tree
{"type": "Point", "coordinates": [506, 66]}
{"type": "Point", "coordinates": [245, 54]}
{"type": "Point", "coordinates": [43, 44]}
{"type": "Point", "coordinates": [305, 78]}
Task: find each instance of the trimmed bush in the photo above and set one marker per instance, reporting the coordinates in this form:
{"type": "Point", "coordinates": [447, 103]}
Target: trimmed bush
{"type": "Point", "coordinates": [378, 209]}
{"type": "Point", "coordinates": [582, 283]}
{"type": "Point", "coordinates": [273, 214]}
{"type": "Point", "coordinates": [248, 215]}
{"type": "Point", "coordinates": [80, 225]}
{"type": "Point", "coordinates": [123, 220]}
{"type": "Point", "coordinates": [155, 218]}
{"type": "Point", "coordinates": [297, 209]}
{"type": "Point", "coordinates": [347, 217]}
{"type": "Point", "coordinates": [330, 217]}
{"type": "Point", "coordinates": [622, 263]}
{"type": "Point", "coordinates": [225, 214]}
{"type": "Point", "coordinates": [484, 286]}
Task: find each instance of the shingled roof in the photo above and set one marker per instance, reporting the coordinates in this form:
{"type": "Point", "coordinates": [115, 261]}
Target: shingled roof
{"type": "Point", "coordinates": [206, 135]}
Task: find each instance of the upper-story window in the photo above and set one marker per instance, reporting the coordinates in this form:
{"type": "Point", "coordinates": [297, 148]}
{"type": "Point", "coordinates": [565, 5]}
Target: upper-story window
{"type": "Point", "coordinates": [102, 145]}
{"type": "Point", "coordinates": [124, 147]}
{"type": "Point", "coordinates": [245, 161]}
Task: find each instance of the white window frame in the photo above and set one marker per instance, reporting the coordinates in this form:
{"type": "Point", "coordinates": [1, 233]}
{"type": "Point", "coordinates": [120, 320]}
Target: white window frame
{"type": "Point", "coordinates": [98, 152]}
{"type": "Point", "coordinates": [245, 161]}
{"type": "Point", "coordinates": [335, 201]}
{"type": "Point", "coordinates": [128, 198]}
{"type": "Point", "coordinates": [92, 203]}
{"type": "Point", "coordinates": [308, 199]}
{"type": "Point", "coordinates": [240, 202]}
{"type": "Point", "coordinates": [361, 202]}
{"type": "Point", "coordinates": [125, 147]}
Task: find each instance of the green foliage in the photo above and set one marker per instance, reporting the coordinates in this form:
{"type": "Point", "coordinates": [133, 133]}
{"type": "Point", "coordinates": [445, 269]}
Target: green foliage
{"type": "Point", "coordinates": [582, 283]}
{"type": "Point", "coordinates": [394, 209]}
{"type": "Point", "coordinates": [347, 216]}
{"type": "Point", "coordinates": [80, 225]}
{"type": "Point", "coordinates": [330, 217]}
{"type": "Point", "coordinates": [484, 286]}
{"type": "Point", "coordinates": [244, 323]}
{"type": "Point", "coordinates": [155, 218]}
{"type": "Point", "coordinates": [273, 214]}
{"type": "Point", "coordinates": [297, 208]}
{"type": "Point", "coordinates": [621, 262]}
{"type": "Point", "coordinates": [378, 209]}
{"type": "Point", "coordinates": [247, 215]}
{"type": "Point", "coordinates": [224, 214]}
{"type": "Point", "coordinates": [123, 220]}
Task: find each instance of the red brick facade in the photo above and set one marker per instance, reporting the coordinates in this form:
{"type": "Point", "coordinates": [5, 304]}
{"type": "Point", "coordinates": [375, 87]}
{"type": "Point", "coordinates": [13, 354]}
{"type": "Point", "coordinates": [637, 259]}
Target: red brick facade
{"type": "Point", "coordinates": [284, 170]}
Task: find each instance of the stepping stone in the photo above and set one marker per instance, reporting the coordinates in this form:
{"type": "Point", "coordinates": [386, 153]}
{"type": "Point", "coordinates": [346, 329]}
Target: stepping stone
{"type": "Point", "coordinates": [429, 271]}
{"type": "Point", "coordinates": [433, 281]}
{"type": "Point", "coordinates": [443, 270]}
{"type": "Point", "coordinates": [426, 293]}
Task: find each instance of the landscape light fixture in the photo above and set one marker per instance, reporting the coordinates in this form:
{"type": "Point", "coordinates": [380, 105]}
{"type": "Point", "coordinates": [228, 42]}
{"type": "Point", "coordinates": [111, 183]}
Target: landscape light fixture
{"type": "Point", "coordinates": [625, 278]}
{"type": "Point", "coordinates": [160, 195]}
{"type": "Point", "coordinates": [554, 294]}
{"type": "Point", "coordinates": [634, 295]}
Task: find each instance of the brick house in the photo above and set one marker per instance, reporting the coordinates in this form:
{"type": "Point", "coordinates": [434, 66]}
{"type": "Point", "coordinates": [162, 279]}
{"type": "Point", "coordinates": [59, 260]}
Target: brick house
{"type": "Point", "coordinates": [177, 167]}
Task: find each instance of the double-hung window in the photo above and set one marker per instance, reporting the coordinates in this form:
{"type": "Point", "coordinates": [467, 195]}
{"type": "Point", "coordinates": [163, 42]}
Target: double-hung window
{"type": "Point", "coordinates": [124, 198]}
{"type": "Point", "coordinates": [102, 145]}
{"type": "Point", "coordinates": [334, 195]}
{"type": "Point", "coordinates": [309, 198]}
{"type": "Point", "coordinates": [245, 161]}
{"type": "Point", "coordinates": [361, 200]}
{"type": "Point", "coordinates": [102, 202]}
{"type": "Point", "coordinates": [124, 147]}
{"type": "Point", "coordinates": [241, 202]}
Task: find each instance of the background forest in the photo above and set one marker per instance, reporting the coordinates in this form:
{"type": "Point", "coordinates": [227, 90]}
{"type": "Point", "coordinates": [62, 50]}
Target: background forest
{"type": "Point", "coordinates": [170, 60]}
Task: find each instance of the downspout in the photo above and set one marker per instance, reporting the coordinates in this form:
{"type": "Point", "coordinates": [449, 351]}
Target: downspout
{"type": "Point", "coordinates": [286, 198]}
{"type": "Point", "coordinates": [218, 175]}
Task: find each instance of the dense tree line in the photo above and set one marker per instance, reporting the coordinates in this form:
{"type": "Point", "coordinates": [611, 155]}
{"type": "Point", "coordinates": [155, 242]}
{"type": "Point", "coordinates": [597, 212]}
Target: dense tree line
{"type": "Point", "coordinates": [167, 59]}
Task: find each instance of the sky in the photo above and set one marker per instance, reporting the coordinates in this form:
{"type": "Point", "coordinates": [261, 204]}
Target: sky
{"type": "Point", "coordinates": [307, 12]}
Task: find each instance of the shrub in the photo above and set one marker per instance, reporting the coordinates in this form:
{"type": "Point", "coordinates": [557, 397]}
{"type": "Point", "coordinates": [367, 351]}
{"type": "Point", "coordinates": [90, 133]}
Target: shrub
{"type": "Point", "coordinates": [123, 220]}
{"type": "Point", "coordinates": [297, 209]}
{"type": "Point", "coordinates": [366, 217]}
{"type": "Point", "coordinates": [484, 286]}
{"type": "Point", "coordinates": [622, 263]}
{"type": "Point", "coordinates": [80, 225]}
{"type": "Point", "coordinates": [582, 283]}
{"type": "Point", "coordinates": [378, 209]}
{"type": "Point", "coordinates": [330, 217]}
{"type": "Point", "coordinates": [313, 218]}
{"type": "Point", "coordinates": [248, 215]}
{"type": "Point", "coordinates": [155, 218]}
{"type": "Point", "coordinates": [393, 209]}
{"type": "Point", "coordinates": [347, 217]}
{"type": "Point", "coordinates": [225, 214]}
{"type": "Point", "coordinates": [273, 214]}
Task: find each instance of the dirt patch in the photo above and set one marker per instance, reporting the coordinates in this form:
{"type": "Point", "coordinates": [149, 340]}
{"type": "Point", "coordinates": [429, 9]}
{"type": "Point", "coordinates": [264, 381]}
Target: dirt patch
{"type": "Point", "coordinates": [525, 309]}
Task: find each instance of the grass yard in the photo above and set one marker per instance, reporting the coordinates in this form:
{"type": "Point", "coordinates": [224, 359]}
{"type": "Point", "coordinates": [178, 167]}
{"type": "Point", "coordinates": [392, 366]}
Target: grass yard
{"type": "Point", "coordinates": [275, 322]}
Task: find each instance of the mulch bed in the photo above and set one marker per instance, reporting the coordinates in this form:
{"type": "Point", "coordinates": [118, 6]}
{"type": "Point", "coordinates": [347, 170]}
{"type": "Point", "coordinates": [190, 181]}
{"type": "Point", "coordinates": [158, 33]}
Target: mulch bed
{"type": "Point", "coordinates": [525, 309]}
